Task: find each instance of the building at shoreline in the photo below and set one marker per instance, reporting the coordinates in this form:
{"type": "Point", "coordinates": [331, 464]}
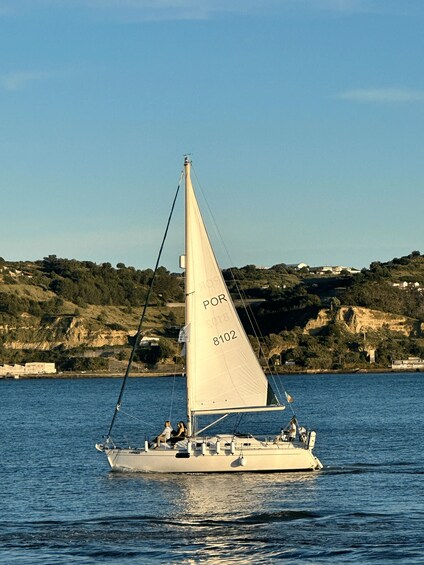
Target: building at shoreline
{"type": "Point", "coordinates": [28, 369]}
{"type": "Point", "coordinates": [410, 363]}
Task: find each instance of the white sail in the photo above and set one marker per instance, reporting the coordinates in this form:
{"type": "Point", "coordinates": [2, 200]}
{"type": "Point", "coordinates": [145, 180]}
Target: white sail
{"type": "Point", "coordinates": [223, 372]}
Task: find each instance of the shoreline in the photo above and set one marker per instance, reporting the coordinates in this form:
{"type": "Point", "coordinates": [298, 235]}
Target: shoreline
{"type": "Point", "coordinates": [152, 374]}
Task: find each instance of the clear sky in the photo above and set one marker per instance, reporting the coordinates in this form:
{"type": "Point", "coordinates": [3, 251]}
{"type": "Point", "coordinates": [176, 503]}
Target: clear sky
{"type": "Point", "coordinates": [304, 118]}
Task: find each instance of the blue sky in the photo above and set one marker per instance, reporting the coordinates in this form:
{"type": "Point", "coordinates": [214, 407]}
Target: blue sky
{"type": "Point", "coordinates": [305, 121]}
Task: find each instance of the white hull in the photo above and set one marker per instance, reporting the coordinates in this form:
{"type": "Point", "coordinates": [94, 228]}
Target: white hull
{"type": "Point", "coordinates": [204, 457]}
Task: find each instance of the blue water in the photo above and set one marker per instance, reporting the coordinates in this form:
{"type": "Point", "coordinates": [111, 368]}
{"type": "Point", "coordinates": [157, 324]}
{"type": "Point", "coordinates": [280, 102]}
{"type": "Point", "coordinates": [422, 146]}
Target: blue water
{"type": "Point", "coordinates": [60, 504]}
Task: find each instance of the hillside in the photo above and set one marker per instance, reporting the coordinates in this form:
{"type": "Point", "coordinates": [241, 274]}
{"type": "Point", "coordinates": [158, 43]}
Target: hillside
{"type": "Point", "coordinates": [82, 315]}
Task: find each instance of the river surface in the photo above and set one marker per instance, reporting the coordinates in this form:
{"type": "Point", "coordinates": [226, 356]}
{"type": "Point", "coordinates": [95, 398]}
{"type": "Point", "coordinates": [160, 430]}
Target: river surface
{"type": "Point", "coordinates": [60, 503]}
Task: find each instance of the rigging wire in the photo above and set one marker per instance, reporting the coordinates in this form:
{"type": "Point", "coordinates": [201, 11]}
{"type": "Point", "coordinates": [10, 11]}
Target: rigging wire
{"type": "Point", "coordinates": [237, 424]}
{"type": "Point", "coordinates": [136, 418]}
{"type": "Point", "coordinates": [143, 315]}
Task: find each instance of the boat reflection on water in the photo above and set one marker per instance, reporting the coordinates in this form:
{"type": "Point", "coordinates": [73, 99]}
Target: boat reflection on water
{"type": "Point", "coordinates": [227, 518]}
{"type": "Point", "coordinates": [236, 496]}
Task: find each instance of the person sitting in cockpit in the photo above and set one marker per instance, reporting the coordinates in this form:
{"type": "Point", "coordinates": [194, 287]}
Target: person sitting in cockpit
{"type": "Point", "coordinates": [178, 434]}
{"type": "Point", "coordinates": [165, 435]}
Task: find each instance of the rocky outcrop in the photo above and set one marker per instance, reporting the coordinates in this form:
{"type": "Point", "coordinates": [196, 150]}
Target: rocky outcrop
{"type": "Point", "coordinates": [359, 320]}
{"type": "Point", "coordinates": [70, 332]}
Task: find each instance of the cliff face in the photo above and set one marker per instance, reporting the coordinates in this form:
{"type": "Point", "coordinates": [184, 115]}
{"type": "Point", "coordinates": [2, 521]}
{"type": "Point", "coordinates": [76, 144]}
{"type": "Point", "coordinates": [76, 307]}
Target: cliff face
{"type": "Point", "coordinates": [358, 320]}
{"type": "Point", "coordinates": [68, 331]}
{"type": "Point", "coordinates": [72, 332]}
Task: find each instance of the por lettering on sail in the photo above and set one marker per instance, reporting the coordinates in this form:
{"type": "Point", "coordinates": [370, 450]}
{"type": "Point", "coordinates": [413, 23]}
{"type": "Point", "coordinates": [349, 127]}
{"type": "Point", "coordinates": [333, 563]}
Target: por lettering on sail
{"type": "Point", "coordinates": [214, 301]}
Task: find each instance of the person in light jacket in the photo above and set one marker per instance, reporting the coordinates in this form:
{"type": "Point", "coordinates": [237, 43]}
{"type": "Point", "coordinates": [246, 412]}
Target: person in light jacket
{"type": "Point", "coordinates": [165, 435]}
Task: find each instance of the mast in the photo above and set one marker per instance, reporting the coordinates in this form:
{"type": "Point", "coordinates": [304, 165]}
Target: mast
{"type": "Point", "coordinates": [188, 291]}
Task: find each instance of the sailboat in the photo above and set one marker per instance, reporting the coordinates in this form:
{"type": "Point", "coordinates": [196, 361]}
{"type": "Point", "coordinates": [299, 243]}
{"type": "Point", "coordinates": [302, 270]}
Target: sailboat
{"type": "Point", "coordinates": [223, 377]}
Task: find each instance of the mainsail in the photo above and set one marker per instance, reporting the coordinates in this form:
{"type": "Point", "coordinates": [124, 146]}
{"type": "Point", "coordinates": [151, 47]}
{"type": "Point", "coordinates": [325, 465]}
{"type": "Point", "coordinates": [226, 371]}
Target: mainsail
{"type": "Point", "coordinates": [223, 373]}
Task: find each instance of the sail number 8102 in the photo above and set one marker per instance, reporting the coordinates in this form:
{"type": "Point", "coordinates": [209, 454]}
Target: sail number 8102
{"type": "Point", "coordinates": [227, 336]}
